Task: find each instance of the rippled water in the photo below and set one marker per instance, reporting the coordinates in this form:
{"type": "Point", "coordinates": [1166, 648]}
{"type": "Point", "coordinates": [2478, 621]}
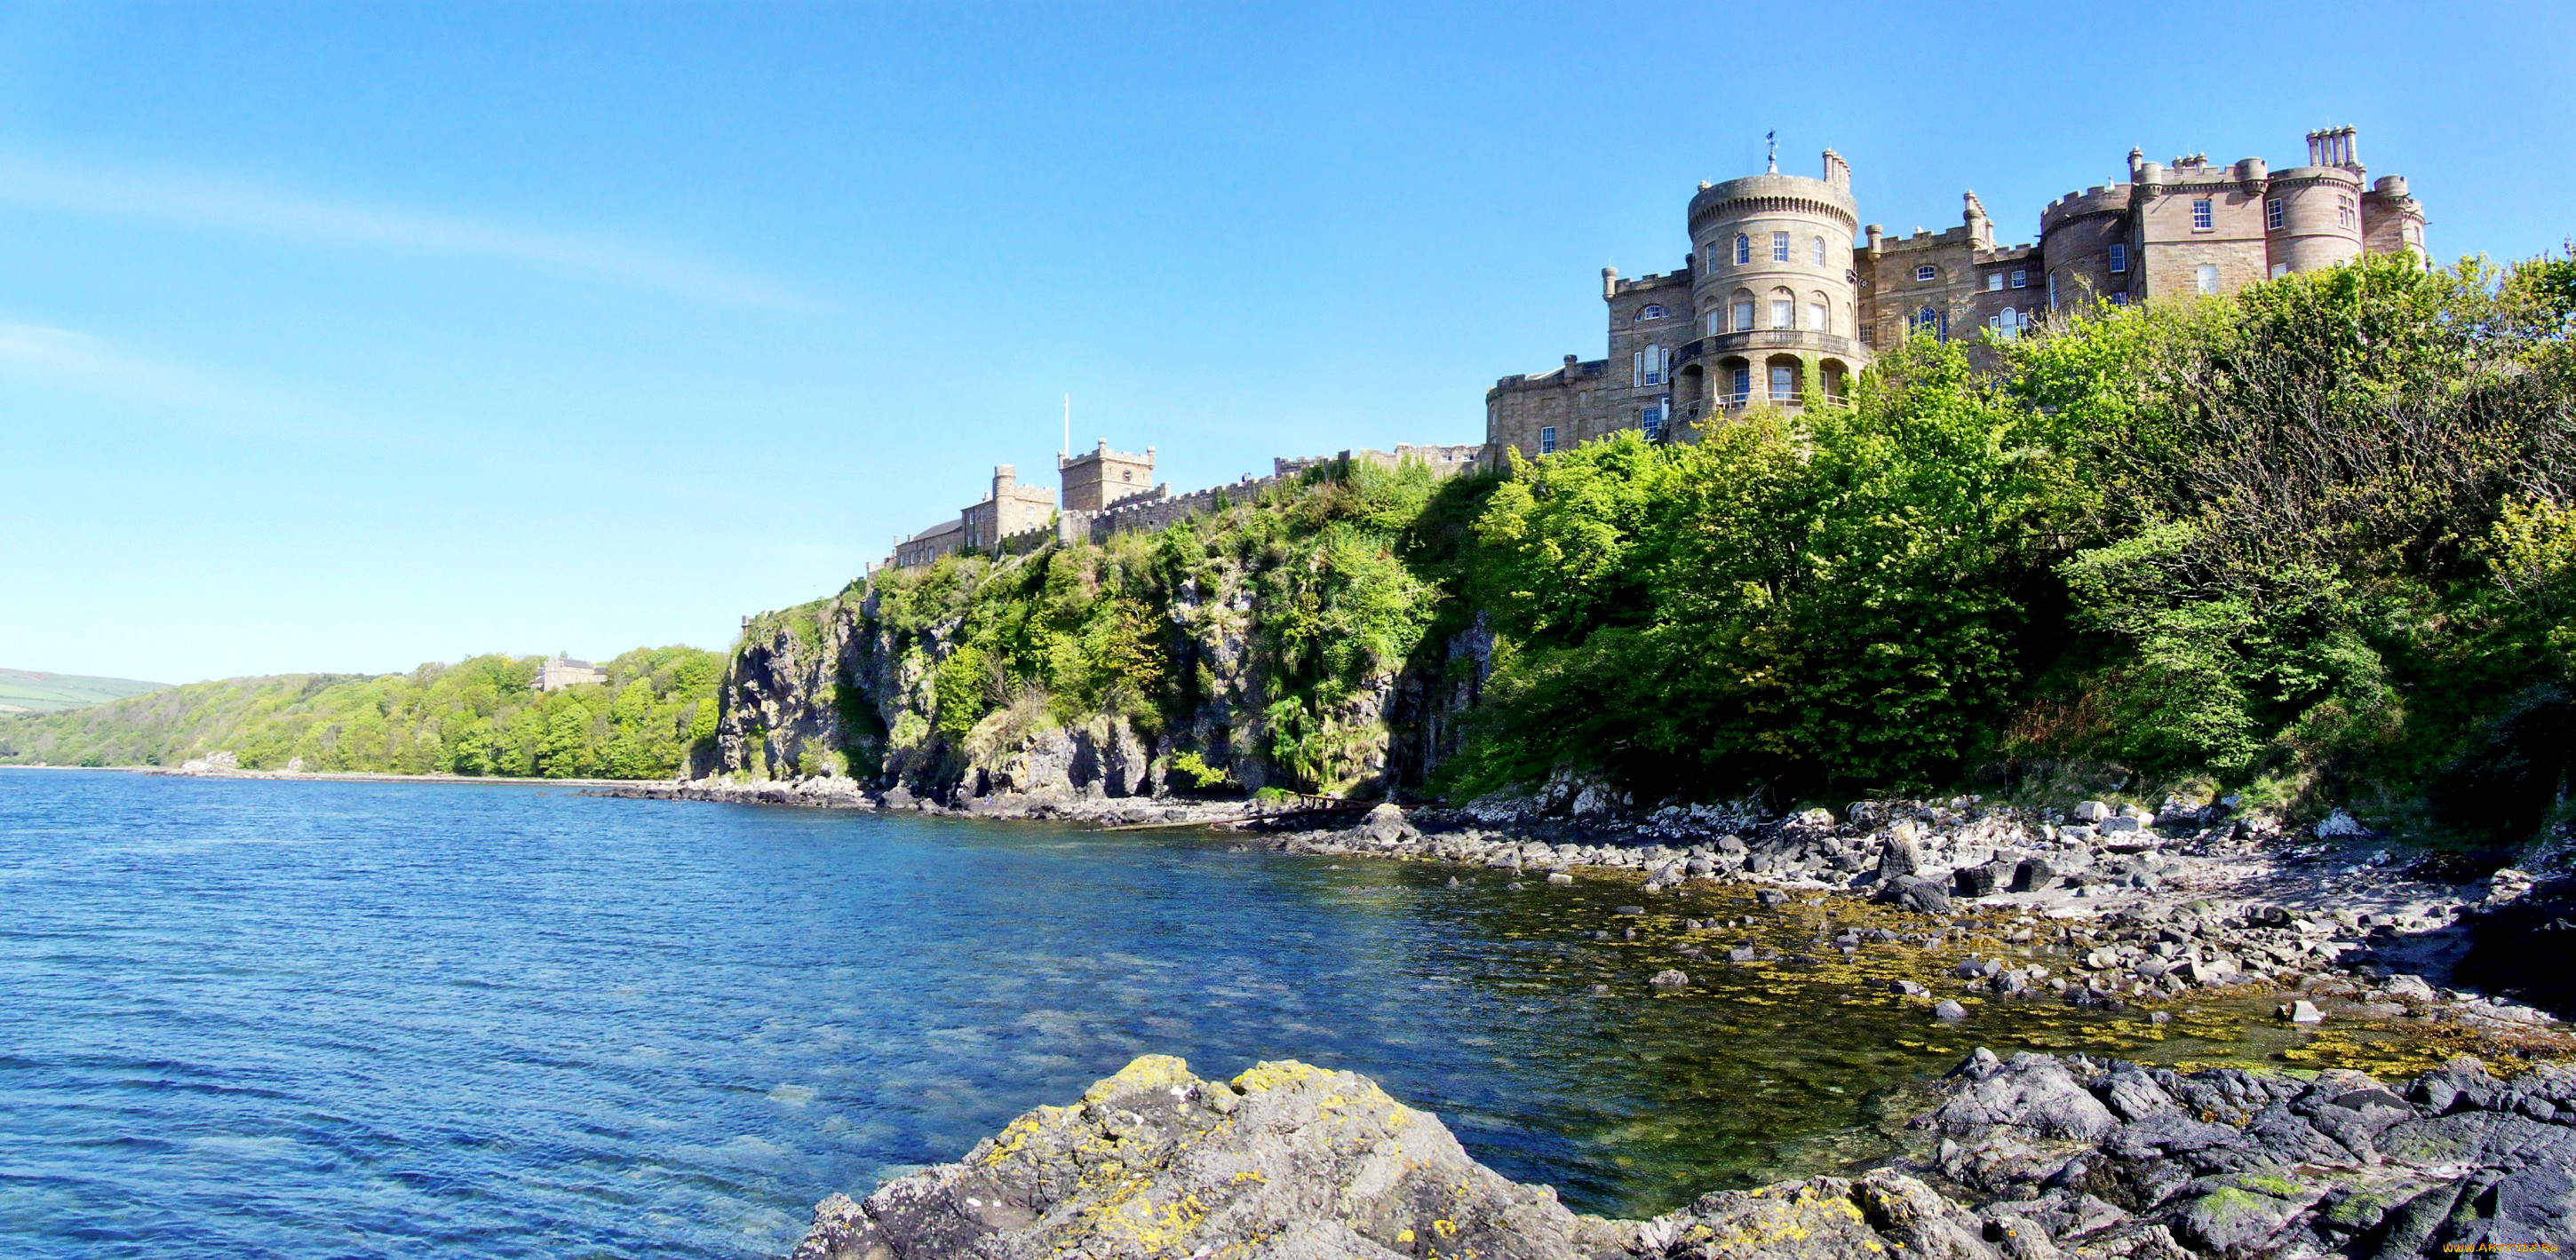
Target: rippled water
{"type": "Point", "coordinates": [334, 1019]}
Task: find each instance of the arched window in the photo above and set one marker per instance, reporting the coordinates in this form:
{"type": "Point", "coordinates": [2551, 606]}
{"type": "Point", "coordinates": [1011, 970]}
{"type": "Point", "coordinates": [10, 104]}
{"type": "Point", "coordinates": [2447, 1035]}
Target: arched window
{"type": "Point", "coordinates": [1816, 251]}
{"type": "Point", "coordinates": [1651, 310]}
{"type": "Point", "coordinates": [2008, 323]}
{"type": "Point", "coordinates": [1820, 313]}
{"type": "Point", "coordinates": [1743, 304]}
{"type": "Point", "coordinates": [1743, 249]}
{"type": "Point", "coordinates": [1784, 309]}
{"type": "Point", "coordinates": [1651, 363]}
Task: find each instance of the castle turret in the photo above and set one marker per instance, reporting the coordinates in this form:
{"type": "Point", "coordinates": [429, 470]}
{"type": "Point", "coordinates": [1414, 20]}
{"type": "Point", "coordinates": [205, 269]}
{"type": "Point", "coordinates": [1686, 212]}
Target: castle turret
{"type": "Point", "coordinates": [1776, 294]}
{"type": "Point", "coordinates": [2392, 220]}
{"type": "Point", "coordinates": [2312, 214]}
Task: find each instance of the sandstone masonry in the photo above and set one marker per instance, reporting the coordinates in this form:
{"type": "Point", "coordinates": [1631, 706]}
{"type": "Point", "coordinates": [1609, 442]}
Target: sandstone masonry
{"type": "Point", "coordinates": [1776, 305]}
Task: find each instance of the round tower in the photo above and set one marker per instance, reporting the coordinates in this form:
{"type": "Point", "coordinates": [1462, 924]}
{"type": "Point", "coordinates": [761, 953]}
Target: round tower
{"type": "Point", "coordinates": [2311, 218]}
{"type": "Point", "coordinates": [2085, 238]}
{"type": "Point", "coordinates": [1773, 291]}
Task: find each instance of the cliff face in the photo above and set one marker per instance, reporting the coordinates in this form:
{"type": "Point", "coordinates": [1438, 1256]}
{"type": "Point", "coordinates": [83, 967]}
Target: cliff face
{"type": "Point", "coordinates": [854, 685]}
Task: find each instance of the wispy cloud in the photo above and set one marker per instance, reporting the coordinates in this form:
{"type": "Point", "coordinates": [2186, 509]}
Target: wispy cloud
{"type": "Point", "coordinates": [61, 359]}
{"type": "Point", "coordinates": [203, 202]}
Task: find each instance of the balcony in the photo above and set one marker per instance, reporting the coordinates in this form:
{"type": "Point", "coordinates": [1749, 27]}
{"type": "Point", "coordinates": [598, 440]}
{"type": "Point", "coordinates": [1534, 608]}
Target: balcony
{"type": "Point", "coordinates": [1765, 339]}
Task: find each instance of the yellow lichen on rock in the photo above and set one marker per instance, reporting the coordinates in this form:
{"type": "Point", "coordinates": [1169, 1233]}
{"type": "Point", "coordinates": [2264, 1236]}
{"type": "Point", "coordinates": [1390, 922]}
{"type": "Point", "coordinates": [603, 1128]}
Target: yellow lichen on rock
{"type": "Point", "coordinates": [1271, 1074]}
{"type": "Point", "coordinates": [1146, 1071]}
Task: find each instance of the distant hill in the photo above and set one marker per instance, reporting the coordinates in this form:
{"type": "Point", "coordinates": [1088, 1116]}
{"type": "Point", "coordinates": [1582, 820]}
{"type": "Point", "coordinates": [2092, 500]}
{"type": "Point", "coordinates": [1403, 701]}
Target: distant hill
{"type": "Point", "coordinates": [482, 716]}
{"type": "Point", "coordinates": [32, 691]}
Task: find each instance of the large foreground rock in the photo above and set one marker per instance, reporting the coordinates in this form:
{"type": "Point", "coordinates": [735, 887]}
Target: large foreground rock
{"type": "Point", "coordinates": [2059, 1156]}
{"type": "Point", "coordinates": [1291, 1162]}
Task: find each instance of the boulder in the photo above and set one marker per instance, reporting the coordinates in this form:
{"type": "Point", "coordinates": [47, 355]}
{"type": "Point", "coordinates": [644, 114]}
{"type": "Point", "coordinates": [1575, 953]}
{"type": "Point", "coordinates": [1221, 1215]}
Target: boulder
{"type": "Point", "coordinates": [1291, 1162]}
{"type": "Point", "coordinates": [1283, 1161]}
{"type": "Point", "coordinates": [1973, 881]}
{"type": "Point", "coordinates": [1913, 892]}
{"type": "Point", "coordinates": [2028, 1091]}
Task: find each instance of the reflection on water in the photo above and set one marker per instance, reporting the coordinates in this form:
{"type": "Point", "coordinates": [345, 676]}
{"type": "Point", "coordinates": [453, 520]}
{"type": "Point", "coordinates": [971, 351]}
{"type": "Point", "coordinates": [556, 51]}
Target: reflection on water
{"type": "Point", "coordinates": [319, 1019]}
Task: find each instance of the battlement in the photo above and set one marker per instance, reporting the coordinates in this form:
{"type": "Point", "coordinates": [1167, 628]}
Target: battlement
{"type": "Point", "coordinates": [2098, 200]}
{"type": "Point", "coordinates": [1099, 477]}
{"type": "Point", "coordinates": [1613, 286]}
{"type": "Point", "coordinates": [1776, 194]}
{"type": "Point", "coordinates": [1556, 378]}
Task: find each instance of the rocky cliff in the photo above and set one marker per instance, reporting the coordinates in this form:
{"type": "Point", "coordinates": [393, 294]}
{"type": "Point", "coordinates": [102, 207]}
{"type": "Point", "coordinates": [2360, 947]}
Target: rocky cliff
{"type": "Point", "coordinates": [2033, 1157]}
{"type": "Point", "coordinates": [899, 683]}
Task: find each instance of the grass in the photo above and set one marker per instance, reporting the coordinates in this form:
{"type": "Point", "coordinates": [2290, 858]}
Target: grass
{"type": "Point", "coordinates": [32, 691]}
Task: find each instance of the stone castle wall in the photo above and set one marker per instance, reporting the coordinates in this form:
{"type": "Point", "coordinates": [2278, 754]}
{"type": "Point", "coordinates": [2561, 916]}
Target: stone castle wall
{"type": "Point", "coordinates": [2171, 231]}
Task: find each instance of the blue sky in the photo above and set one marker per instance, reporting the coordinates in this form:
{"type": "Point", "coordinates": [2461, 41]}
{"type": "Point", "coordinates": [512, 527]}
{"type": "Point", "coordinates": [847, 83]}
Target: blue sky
{"type": "Point", "coordinates": [348, 337]}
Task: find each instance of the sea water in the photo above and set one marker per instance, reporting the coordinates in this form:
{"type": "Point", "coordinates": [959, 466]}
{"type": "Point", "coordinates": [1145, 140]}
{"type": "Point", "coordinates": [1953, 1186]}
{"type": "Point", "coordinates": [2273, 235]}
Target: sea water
{"type": "Point", "coordinates": [310, 1019]}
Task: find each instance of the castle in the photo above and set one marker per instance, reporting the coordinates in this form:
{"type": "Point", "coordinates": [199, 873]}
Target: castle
{"type": "Point", "coordinates": [1776, 303]}
{"type": "Point", "coordinates": [1108, 492]}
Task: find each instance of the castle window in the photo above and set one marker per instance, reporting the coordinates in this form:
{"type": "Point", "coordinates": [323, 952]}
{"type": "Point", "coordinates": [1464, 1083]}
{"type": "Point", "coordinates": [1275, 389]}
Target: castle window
{"type": "Point", "coordinates": [1651, 310]}
{"type": "Point", "coordinates": [1784, 382]}
{"type": "Point", "coordinates": [2208, 277]}
{"type": "Point", "coordinates": [1816, 250]}
{"type": "Point", "coordinates": [1926, 273]}
{"type": "Point", "coordinates": [1547, 439]}
{"type": "Point", "coordinates": [1650, 364]}
{"type": "Point", "coordinates": [2119, 299]}
{"type": "Point", "coordinates": [2021, 279]}
{"type": "Point", "coordinates": [1651, 419]}
{"type": "Point", "coordinates": [2202, 216]}
{"type": "Point", "coordinates": [2279, 270]}
{"type": "Point", "coordinates": [1716, 322]}
{"type": "Point", "coordinates": [1742, 385]}
{"type": "Point", "coordinates": [2272, 215]}
{"type": "Point", "coordinates": [2343, 211]}
{"type": "Point", "coordinates": [1820, 317]}
{"type": "Point", "coordinates": [1743, 249]}
{"type": "Point", "coordinates": [1743, 310]}
{"type": "Point", "coordinates": [1784, 311]}
{"type": "Point", "coordinates": [1994, 282]}
{"type": "Point", "coordinates": [1779, 247]}
{"type": "Point", "coordinates": [2119, 263]}
{"type": "Point", "coordinates": [2007, 324]}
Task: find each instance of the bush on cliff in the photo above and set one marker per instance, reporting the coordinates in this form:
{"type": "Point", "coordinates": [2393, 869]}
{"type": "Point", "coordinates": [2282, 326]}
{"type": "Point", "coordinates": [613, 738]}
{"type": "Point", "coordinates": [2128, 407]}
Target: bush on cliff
{"type": "Point", "coordinates": [2314, 537]}
{"type": "Point", "coordinates": [1298, 602]}
{"type": "Point", "coordinates": [1839, 600]}
{"type": "Point", "coordinates": [2321, 541]}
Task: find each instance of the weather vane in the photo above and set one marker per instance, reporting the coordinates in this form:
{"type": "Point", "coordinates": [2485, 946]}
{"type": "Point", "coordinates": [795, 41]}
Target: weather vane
{"type": "Point", "coordinates": [1772, 138]}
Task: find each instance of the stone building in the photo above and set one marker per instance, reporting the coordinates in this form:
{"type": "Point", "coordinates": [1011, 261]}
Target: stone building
{"type": "Point", "coordinates": [1775, 304]}
{"type": "Point", "coordinates": [1010, 509]}
{"type": "Point", "coordinates": [1108, 492]}
{"type": "Point", "coordinates": [559, 672]}
{"type": "Point", "coordinates": [1102, 477]}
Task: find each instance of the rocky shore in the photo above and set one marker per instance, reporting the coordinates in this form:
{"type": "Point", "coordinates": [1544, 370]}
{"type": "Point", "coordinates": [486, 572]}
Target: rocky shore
{"type": "Point", "coordinates": [2098, 905]}
{"type": "Point", "coordinates": [2021, 1159]}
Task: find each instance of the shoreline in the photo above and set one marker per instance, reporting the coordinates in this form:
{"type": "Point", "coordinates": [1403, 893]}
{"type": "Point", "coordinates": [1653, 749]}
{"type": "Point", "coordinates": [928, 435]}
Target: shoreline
{"type": "Point", "coordinates": [336, 776]}
{"type": "Point", "coordinates": [2122, 911]}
